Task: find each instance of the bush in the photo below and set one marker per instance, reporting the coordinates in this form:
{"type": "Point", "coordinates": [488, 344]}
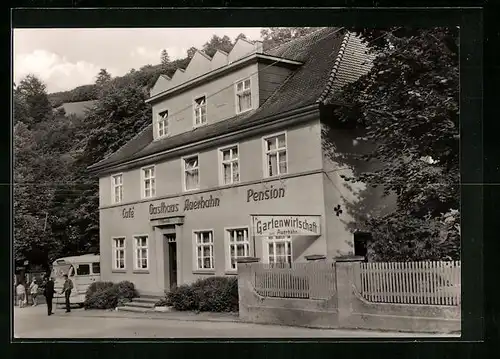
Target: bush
{"type": "Point", "coordinates": [108, 295]}
{"type": "Point", "coordinates": [126, 290]}
{"type": "Point", "coordinates": [105, 299]}
{"type": "Point", "coordinates": [183, 298]}
{"type": "Point", "coordinates": [97, 287]}
{"type": "Point", "coordinates": [214, 294]}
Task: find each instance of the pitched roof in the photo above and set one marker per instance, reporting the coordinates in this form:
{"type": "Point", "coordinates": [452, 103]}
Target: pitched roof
{"type": "Point", "coordinates": [318, 51]}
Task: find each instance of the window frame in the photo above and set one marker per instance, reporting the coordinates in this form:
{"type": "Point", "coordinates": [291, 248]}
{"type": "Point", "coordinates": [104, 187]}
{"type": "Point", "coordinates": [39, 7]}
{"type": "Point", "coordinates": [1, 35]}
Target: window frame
{"type": "Point", "coordinates": [183, 168]}
{"type": "Point", "coordinates": [113, 186]}
{"type": "Point", "coordinates": [143, 184]}
{"type": "Point", "coordinates": [99, 265]}
{"type": "Point", "coordinates": [236, 93]}
{"type": "Point", "coordinates": [268, 241]}
{"type": "Point", "coordinates": [115, 249]}
{"type": "Point", "coordinates": [227, 245]}
{"type": "Point", "coordinates": [136, 247]}
{"type": "Point", "coordinates": [81, 265]}
{"type": "Point", "coordinates": [195, 250]}
{"type": "Point", "coordinates": [159, 119]}
{"type": "Point", "coordinates": [195, 125]}
{"type": "Point", "coordinates": [265, 153]}
{"type": "Point", "coordinates": [220, 151]}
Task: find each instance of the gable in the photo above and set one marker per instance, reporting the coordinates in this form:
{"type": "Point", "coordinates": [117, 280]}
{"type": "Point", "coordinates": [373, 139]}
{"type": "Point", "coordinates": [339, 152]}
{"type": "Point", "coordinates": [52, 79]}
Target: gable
{"type": "Point", "coordinates": [219, 60]}
{"type": "Point", "coordinates": [161, 84]}
{"type": "Point", "coordinates": [199, 64]}
{"type": "Point", "coordinates": [241, 49]}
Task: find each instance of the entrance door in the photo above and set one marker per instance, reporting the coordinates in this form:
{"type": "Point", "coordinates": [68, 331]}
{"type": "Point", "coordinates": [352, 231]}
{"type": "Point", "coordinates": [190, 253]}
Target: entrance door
{"type": "Point", "coordinates": [172, 260]}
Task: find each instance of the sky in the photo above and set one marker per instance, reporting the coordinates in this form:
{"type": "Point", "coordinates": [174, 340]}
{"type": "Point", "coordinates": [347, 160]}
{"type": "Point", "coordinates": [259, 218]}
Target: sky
{"type": "Point", "coordinates": [66, 58]}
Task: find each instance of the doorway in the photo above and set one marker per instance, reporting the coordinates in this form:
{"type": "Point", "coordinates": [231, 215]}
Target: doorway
{"type": "Point", "coordinates": [172, 259]}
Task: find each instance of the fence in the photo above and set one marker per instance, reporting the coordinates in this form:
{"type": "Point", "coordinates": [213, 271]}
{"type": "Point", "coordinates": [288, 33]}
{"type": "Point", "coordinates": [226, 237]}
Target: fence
{"type": "Point", "coordinates": [435, 283]}
{"type": "Point", "coordinates": [296, 280]}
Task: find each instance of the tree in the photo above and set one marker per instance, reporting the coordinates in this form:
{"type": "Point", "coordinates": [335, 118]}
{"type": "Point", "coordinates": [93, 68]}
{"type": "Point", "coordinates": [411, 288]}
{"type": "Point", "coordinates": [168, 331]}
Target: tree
{"type": "Point", "coordinates": [20, 110]}
{"type": "Point", "coordinates": [217, 43]}
{"type": "Point", "coordinates": [103, 77]}
{"type": "Point", "coordinates": [190, 52]}
{"type": "Point", "coordinates": [275, 36]}
{"type": "Point", "coordinates": [165, 59]}
{"type": "Point", "coordinates": [32, 92]}
{"type": "Point", "coordinates": [240, 36]}
{"type": "Point", "coordinates": [407, 105]}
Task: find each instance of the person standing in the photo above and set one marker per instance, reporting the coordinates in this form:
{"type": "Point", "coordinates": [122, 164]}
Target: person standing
{"type": "Point", "coordinates": [48, 292]}
{"type": "Point", "coordinates": [21, 294]}
{"type": "Point", "coordinates": [67, 287]}
{"type": "Point", "coordinates": [34, 291]}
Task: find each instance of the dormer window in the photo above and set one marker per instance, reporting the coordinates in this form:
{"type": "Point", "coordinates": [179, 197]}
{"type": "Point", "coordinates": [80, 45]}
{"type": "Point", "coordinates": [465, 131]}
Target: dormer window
{"type": "Point", "coordinates": [162, 124]}
{"type": "Point", "coordinates": [200, 111]}
{"type": "Point", "coordinates": [243, 96]}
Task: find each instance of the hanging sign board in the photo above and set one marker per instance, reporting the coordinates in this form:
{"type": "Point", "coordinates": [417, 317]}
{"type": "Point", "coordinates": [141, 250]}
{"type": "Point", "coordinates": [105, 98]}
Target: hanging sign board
{"type": "Point", "coordinates": [283, 225]}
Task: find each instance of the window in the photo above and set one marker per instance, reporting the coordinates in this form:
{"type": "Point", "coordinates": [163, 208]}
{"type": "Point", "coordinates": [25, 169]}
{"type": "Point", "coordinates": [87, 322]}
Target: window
{"type": "Point", "coordinates": [243, 96]}
{"type": "Point", "coordinates": [83, 269]}
{"type": "Point", "coordinates": [239, 246]}
{"type": "Point", "coordinates": [96, 268]}
{"type": "Point", "coordinates": [200, 111]}
{"type": "Point", "coordinates": [279, 249]}
{"type": "Point", "coordinates": [162, 123]}
{"type": "Point", "coordinates": [204, 243]}
{"type": "Point", "coordinates": [119, 253]}
{"type": "Point", "coordinates": [275, 149]}
{"type": "Point", "coordinates": [117, 184]}
{"type": "Point", "coordinates": [191, 173]}
{"type": "Point", "coordinates": [141, 252]}
{"type": "Point", "coordinates": [148, 182]}
{"type": "Point", "coordinates": [230, 165]}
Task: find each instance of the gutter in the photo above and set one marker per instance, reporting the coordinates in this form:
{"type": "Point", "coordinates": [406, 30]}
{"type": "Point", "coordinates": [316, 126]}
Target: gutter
{"type": "Point", "coordinates": [267, 123]}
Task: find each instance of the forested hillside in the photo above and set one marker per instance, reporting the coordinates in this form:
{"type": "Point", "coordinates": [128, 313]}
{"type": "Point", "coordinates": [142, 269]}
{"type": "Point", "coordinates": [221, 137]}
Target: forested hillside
{"type": "Point", "coordinates": [55, 199]}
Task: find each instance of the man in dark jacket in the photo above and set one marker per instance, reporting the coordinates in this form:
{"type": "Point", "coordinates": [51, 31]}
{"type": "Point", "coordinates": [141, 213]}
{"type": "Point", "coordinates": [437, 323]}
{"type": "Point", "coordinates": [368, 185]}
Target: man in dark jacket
{"type": "Point", "coordinates": [48, 292]}
{"type": "Point", "coordinates": [68, 286]}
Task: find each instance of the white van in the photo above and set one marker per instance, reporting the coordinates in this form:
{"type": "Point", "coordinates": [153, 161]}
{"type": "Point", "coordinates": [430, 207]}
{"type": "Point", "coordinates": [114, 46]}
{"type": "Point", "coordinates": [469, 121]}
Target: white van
{"type": "Point", "coordinates": [82, 270]}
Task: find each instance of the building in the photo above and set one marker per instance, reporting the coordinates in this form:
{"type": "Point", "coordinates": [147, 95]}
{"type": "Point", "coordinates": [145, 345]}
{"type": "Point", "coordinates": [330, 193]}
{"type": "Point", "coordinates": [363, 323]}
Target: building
{"type": "Point", "coordinates": [238, 161]}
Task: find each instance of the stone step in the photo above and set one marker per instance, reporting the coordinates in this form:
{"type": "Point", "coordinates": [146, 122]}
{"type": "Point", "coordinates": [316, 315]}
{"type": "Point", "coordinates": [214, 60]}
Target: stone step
{"type": "Point", "coordinates": [146, 299]}
{"type": "Point", "coordinates": [135, 309]}
{"type": "Point", "coordinates": [139, 304]}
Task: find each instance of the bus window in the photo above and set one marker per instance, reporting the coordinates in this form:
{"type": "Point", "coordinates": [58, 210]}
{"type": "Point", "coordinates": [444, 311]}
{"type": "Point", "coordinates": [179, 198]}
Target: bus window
{"type": "Point", "coordinates": [96, 268]}
{"type": "Point", "coordinates": [71, 272]}
{"type": "Point", "coordinates": [83, 269]}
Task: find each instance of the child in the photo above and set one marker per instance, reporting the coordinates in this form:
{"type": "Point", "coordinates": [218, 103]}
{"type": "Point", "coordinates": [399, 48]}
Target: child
{"type": "Point", "coordinates": [34, 291]}
{"type": "Point", "coordinates": [21, 295]}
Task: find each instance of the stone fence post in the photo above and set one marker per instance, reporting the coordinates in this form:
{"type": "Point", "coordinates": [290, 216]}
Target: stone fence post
{"type": "Point", "coordinates": [245, 284]}
{"type": "Point", "coordinates": [348, 275]}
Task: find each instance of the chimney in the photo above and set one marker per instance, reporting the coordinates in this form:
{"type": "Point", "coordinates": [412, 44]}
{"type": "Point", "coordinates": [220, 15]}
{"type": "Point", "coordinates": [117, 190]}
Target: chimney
{"type": "Point", "coordinates": [258, 46]}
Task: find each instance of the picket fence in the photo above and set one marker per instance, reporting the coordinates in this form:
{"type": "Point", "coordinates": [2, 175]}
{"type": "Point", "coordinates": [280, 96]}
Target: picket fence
{"type": "Point", "coordinates": [296, 280]}
{"type": "Point", "coordinates": [435, 283]}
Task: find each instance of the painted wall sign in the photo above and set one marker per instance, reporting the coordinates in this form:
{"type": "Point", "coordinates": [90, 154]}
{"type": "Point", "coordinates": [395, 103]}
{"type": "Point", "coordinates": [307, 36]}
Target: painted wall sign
{"type": "Point", "coordinates": [286, 225]}
{"type": "Point", "coordinates": [201, 203]}
{"type": "Point", "coordinates": [264, 195]}
{"type": "Point", "coordinates": [128, 212]}
{"type": "Point", "coordinates": [163, 208]}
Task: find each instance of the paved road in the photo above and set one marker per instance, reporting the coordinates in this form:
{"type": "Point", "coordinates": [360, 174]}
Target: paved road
{"type": "Point", "coordinates": [33, 322]}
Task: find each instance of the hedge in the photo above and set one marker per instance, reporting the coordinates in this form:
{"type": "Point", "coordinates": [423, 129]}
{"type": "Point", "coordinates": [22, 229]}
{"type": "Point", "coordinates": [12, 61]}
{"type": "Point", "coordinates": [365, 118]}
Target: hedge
{"type": "Point", "coordinates": [108, 295]}
{"type": "Point", "coordinates": [213, 294]}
